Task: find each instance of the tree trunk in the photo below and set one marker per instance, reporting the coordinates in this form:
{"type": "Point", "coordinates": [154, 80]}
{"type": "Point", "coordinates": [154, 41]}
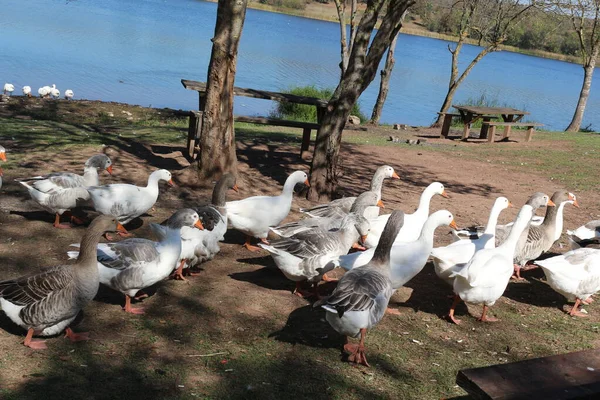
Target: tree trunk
{"type": "Point", "coordinates": [384, 86]}
{"type": "Point", "coordinates": [363, 62]}
{"type": "Point", "coordinates": [217, 139]}
{"type": "Point", "coordinates": [575, 124]}
{"type": "Point", "coordinates": [456, 82]}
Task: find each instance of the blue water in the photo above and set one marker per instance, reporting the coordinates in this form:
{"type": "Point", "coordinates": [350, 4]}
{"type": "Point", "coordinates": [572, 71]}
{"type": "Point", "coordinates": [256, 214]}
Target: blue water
{"type": "Point", "coordinates": [136, 51]}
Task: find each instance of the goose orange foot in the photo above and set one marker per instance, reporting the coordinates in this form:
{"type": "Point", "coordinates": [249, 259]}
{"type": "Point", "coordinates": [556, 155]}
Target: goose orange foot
{"type": "Point", "coordinates": [484, 317]}
{"type": "Point", "coordinates": [131, 310]}
{"type": "Point", "coordinates": [76, 337]}
{"type": "Point", "coordinates": [357, 351]}
{"type": "Point", "coordinates": [34, 344]}
{"type": "Point", "coordinates": [392, 311]}
{"type": "Point", "coordinates": [575, 310]}
{"type": "Point", "coordinates": [250, 247]}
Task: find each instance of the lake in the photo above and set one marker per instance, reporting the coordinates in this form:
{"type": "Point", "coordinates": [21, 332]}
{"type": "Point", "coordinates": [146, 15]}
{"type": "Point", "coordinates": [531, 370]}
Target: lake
{"type": "Point", "coordinates": [136, 51]}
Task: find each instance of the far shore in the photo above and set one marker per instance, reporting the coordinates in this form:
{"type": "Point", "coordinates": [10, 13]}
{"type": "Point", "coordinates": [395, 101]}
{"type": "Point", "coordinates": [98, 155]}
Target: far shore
{"type": "Point", "coordinates": [327, 12]}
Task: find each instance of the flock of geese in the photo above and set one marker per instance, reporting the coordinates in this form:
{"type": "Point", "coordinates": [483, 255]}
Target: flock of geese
{"type": "Point", "coordinates": [44, 91]}
{"type": "Point", "coordinates": [391, 249]}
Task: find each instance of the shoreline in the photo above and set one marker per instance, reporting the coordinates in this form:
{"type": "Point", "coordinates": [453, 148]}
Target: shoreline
{"type": "Point", "coordinates": [407, 29]}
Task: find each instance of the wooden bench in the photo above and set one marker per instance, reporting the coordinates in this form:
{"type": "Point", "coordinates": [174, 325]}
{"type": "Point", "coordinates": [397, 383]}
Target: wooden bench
{"type": "Point", "coordinates": [507, 127]}
{"type": "Point", "coordinates": [448, 122]}
{"type": "Point", "coordinates": [195, 126]}
{"type": "Point", "coordinates": [564, 376]}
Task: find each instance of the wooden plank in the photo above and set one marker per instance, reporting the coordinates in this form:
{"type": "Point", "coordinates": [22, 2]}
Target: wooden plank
{"type": "Point", "coordinates": [506, 132]}
{"type": "Point", "coordinates": [276, 122]}
{"type": "Point", "coordinates": [466, 131]}
{"type": "Point", "coordinates": [446, 124]}
{"type": "Point", "coordinates": [561, 377]}
{"type": "Point", "coordinates": [529, 134]}
{"type": "Point", "coordinates": [484, 128]}
{"type": "Point", "coordinates": [451, 114]}
{"type": "Point", "coordinates": [259, 94]}
{"type": "Point", "coordinates": [305, 142]}
{"type": "Point", "coordinates": [500, 123]}
{"type": "Point", "coordinates": [491, 134]}
{"type": "Point", "coordinates": [490, 110]}
{"type": "Point", "coordinates": [194, 131]}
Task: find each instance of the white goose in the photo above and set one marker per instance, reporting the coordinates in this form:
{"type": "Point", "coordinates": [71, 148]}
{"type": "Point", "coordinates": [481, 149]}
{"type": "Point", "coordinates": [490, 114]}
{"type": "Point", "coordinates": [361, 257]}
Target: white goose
{"type": "Point", "coordinates": [485, 277]}
{"type": "Point", "coordinates": [362, 295]}
{"type": "Point", "coordinates": [575, 275]}
{"type": "Point", "coordinates": [131, 265]}
{"type": "Point", "coordinates": [45, 91]}
{"type": "Point", "coordinates": [126, 202]}
{"type": "Point", "coordinates": [59, 192]}
{"type": "Point", "coordinates": [69, 94]}
{"type": "Point", "coordinates": [412, 222]}
{"type": "Point", "coordinates": [446, 259]}
{"type": "Point", "coordinates": [27, 91]}
{"type": "Point", "coordinates": [407, 259]}
{"type": "Point", "coordinates": [306, 256]}
{"type": "Point", "coordinates": [590, 230]}
{"type": "Point", "coordinates": [254, 215]}
{"type": "Point", "coordinates": [55, 93]}
{"type": "Point", "coordinates": [9, 88]}
{"type": "Point", "coordinates": [331, 208]}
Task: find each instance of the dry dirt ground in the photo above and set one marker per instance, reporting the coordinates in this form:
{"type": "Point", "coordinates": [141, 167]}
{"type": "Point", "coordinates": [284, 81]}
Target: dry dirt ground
{"type": "Point", "coordinates": [235, 330]}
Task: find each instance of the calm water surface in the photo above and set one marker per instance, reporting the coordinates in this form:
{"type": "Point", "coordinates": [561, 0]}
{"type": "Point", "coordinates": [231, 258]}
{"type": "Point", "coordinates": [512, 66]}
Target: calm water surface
{"type": "Point", "coordinates": [136, 51]}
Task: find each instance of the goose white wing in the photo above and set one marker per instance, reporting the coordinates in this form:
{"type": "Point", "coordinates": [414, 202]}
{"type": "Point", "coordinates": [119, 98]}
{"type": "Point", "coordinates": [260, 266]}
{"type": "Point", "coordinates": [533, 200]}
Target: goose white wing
{"type": "Point", "coordinates": [485, 268]}
{"type": "Point", "coordinates": [56, 181]}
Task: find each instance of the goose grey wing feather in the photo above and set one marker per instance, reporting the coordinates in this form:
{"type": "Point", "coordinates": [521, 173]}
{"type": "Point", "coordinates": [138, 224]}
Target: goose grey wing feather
{"type": "Point", "coordinates": [65, 180]}
{"type": "Point", "coordinates": [122, 255]}
{"type": "Point", "coordinates": [324, 210]}
{"type": "Point", "coordinates": [358, 289]}
{"type": "Point", "coordinates": [36, 287]}
{"type": "Point", "coordinates": [308, 244]}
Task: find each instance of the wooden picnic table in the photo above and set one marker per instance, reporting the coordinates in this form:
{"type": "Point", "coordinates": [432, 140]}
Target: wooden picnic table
{"type": "Point", "coordinates": [195, 128]}
{"type": "Point", "coordinates": [560, 377]}
{"type": "Point", "coordinates": [471, 114]}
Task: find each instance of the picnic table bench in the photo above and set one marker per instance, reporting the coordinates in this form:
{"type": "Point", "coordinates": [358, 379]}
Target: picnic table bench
{"type": "Point", "coordinates": [195, 126]}
{"type": "Point", "coordinates": [468, 115]}
{"type": "Point", "coordinates": [560, 377]}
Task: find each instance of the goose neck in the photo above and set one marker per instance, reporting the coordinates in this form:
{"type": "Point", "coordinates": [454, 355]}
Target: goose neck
{"type": "Point", "coordinates": [90, 176]}
{"type": "Point", "coordinates": [490, 228]}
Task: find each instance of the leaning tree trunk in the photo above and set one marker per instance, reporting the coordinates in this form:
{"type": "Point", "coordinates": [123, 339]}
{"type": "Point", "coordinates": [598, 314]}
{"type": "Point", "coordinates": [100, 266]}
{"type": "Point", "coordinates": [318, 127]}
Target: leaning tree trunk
{"type": "Point", "coordinates": [384, 85]}
{"type": "Point", "coordinates": [362, 67]}
{"type": "Point", "coordinates": [217, 141]}
{"type": "Point", "coordinates": [575, 124]}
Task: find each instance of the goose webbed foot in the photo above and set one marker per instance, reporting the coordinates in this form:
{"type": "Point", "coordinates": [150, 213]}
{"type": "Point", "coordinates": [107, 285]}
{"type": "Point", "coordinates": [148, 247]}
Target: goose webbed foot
{"type": "Point", "coordinates": [328, 279]}
{"type": "Point", "coordinates": [575, 310]}
{"type": "Point", "coordinates": [131, 310]}
{"type": "Point", "coordinates": [484, 317]}
{"type": "Point", "coordinates": [249, 246]}
{"type": "Point", "coordinates": [34, 344]}
{"type": "Point", "coordinates": [517, 275]}
{"type": "Point", "coordinates": [392, 311]}
{"type": "Point", "coordinates": [76, 337]}
{"type": "Point", "coordinates": [358, 351]}
{"type": "Point", "coordinates": [450, 316]}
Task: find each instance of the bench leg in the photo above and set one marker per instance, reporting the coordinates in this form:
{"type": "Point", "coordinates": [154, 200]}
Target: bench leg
{"type": "Point", "coordinates": [194, 130]}
{"type": "Point", "coordinates": [506, 132]}
{"type": "Point", "coordinates": [491, 133]}
{"type": "Point", "coordinates": [446, 125]}
{"type": "Point", "coordinates": [466, 132]}
{"type": "Point", "coordinates": [484, 128]}
{"type": "Point", "coordinates": [529, 133]}
{"type": "Point", "coordinates": [305, 142]}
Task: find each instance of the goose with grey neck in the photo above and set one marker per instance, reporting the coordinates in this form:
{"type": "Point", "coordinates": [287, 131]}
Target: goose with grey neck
{"type": "Point", "coordinates": [344, 204]}
{"type": "Point", "coordinates": [135, 264]}
{"type": "Point", "coordinates": [59, 192]}
{"type": "Point", "coordinates": [254, 215]}
{"type": "Point", "coordinates": [362, 295]}
{"type": "Point", "coordinates": [485, 277]}
{"type": "Point", "coordinates": [362, 203]}
{"type": "Point", "coordinates": [406, 259]}
{"type": "Point", "coordinates": [45, 303]}
{"type": "Point", "coordinates": [307, 255]}
{"type": "Point", "coordinates": [205, 243]}
{"type": "Point", "coordinates": [541, 238]}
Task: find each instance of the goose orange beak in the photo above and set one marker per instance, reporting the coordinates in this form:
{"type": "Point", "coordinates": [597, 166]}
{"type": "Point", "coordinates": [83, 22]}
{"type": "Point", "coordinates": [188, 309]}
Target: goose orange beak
{"type": "Point", "coordinates": [307, 183]}
{"type": "Point", "coordinates": [510, 204]}
{"type": "Point", "coordinates": [444, 194]}
{"type": "Point", "coordinates": [550, 204]}
{"type": "Point", "coordinates": [235, 188]}
{"type": "Point", "coordinates": [171, 183]}
{"type": "Point", "coordinates": [121, 228]}
{"type": "Point", "coordinates": [199, 225]}
{"type": "Point", "coordinates": [109, 169]}
{"type": "Point", "coordinates": [363, 238]}
{"type": "Point", "coordinates": [575, 203]}
{"type": "Point", "coordinates": [380, 204]}
{"type": "Point", "coordinates": [453, 225]}
{"type": "Point", "coordinates": [395, 175]}
{"type": "Point", "coordinates": [3, 156]}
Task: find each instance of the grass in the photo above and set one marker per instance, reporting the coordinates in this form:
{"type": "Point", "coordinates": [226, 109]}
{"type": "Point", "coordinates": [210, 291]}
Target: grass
{"type": "Point", "coordinates": [283, 350]}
